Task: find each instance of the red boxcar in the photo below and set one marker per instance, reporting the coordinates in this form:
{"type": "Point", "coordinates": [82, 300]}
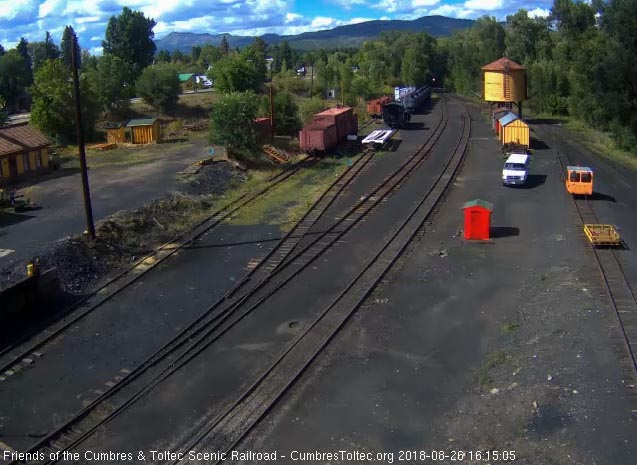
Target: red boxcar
{"type": "Point", "coordinates": [374, 107]}
{"type": "Point", "coordinates": [263, 129]}
{"type": "Point", "coordinates": [318, 135]}
{"type": "Point", "coordinates": [344, 119]}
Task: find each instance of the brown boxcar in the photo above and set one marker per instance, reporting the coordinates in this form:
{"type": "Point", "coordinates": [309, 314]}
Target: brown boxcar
{"type": "Point", "coordinates": [318, 135]}
{"type": "Point", "coordinates": [374, 107]}
{"type": "Point", "coordinates": [263, 129]}
{"type": "Point", "coordinates": [344, 119]}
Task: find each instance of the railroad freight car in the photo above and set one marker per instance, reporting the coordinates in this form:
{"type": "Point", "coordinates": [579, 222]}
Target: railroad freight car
{"type": "Point", "coordinates": [344, 118]}
{"type": "Point", "coordinates": [319, 135]}
{"type": "Point", "coordinates": [375, 107]}
{"type": "Point", "coordinates": [417, 98]}
{"type": "Point", "coordinates": [395, 115]}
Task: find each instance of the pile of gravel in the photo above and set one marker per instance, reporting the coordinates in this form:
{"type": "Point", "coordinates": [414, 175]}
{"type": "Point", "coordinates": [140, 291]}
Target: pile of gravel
{"type": "Point", "coordinates": [213, 179]}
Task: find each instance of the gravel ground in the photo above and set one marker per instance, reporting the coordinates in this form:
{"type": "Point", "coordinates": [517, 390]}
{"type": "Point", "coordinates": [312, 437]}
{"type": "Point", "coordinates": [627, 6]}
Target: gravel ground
{"type": "Point", "coordinates": [125, 236]}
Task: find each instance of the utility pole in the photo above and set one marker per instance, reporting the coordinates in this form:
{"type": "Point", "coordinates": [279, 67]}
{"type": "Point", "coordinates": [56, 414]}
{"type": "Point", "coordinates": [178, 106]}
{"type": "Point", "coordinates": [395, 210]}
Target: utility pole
{"type": "Point", "coordinates": [271, 109]}
{"type": "Point", "coordinates": [312, 82]}
{"type": "Point", "coordinates": [88, 209]}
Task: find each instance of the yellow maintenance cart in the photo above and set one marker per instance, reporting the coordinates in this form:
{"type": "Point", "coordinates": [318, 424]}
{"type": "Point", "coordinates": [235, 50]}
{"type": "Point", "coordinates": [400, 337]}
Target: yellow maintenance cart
{"type": "Point", "coordinates": [602, 234]}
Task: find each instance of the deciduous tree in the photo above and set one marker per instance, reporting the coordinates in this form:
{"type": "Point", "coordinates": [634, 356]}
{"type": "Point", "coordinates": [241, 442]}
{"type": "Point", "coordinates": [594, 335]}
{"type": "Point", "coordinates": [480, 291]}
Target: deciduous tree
{"type": "Point", "coordinates": [232, 121]}
{"type": "Point", "coordinates": [159, 87]}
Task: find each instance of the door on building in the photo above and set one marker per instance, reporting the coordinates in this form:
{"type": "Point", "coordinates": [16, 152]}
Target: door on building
{"type": "Point", "coordinates": [13, 167]}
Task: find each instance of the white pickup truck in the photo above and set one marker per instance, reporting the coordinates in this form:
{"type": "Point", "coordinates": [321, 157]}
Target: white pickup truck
{"type": "Point", "coordinates": [516, 169]}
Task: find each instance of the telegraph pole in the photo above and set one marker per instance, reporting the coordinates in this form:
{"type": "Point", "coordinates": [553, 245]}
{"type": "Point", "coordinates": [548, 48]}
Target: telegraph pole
{"type": "Point", "coordinates": [88, 209]}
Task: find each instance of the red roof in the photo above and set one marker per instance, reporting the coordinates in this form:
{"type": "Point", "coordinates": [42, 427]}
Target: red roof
{"type": "Point", "coordinates": [501, 65]}
{"type": "Point", "coordinates": [334, 111]}
{"type": "Point", "coordinates": [20, 138]}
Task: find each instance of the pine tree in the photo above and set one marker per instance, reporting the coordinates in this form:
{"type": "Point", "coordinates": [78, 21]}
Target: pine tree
{"type": "Point", "coordinates": [225, 46]}
{"type": "Point", "coordinates": [65, 47]}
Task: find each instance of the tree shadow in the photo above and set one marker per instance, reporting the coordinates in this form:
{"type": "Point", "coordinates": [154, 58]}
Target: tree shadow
{"type": "Point", "coordinates": [497, 232]}
{"type": "Point", "coordinates": [10, 219]}
{"type": "Point", "coordinates": [415, 126]}
{"type": "Point", "coordinates": [547, 121]}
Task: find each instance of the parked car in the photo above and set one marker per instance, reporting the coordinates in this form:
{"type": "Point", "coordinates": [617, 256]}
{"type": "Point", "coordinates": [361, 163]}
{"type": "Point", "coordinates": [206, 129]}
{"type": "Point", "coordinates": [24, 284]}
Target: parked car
{"type": "Point", "coordinates": [516, 169]}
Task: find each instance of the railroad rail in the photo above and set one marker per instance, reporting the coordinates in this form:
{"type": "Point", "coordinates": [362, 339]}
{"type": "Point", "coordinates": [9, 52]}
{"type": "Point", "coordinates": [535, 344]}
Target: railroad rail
{"type": "Point", "coordinates": [29, 347]}
{"type": "Point", "coordinates": [615, 282]}
{"type": "Point", "coordinates": [212, 325]}
{"type": "Point", "coordinates": [228, 430]}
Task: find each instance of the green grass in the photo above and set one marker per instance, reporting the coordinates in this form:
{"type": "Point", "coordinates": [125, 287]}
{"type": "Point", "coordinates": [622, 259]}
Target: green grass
{"type": "Point", "coordinates": [510, 327]}
{"type": "Point", "coordinates": [122, 156]}
{"type": "Point", "coordinates": [493, 360]}
{"type": "Point", "coordinates": [599, 142]}
{"type": "Point", "coordinates": [289, 201]}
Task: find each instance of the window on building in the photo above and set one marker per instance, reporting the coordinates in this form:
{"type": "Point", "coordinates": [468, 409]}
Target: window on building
{"type": "Point", "coordinates": [25, 161]}
{"type": "Point", "coordinates": [38, 160]}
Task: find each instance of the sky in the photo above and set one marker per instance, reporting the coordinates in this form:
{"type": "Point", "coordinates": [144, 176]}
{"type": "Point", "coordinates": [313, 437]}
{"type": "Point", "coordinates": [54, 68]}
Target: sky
{"type": "Point", "coordinates": [32, 18]}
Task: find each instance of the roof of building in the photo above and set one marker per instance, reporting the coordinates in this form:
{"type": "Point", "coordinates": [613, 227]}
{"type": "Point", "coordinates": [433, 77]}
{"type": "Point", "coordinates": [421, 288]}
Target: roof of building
{"type": "Point", "coordinates": [141, 122]}
{"type": "Point", "coordinates": [501, 64]}
{"type": "Point", "coordinates": [183, 77]}
{"type": "Point", "coordinates": [20, 138]}
{"type": "Point", "coordinates": [478, 203]}
{"type": "Point", "coordinates": [334, 111]}
{"type": "Point", "coordinates": [506, 119]}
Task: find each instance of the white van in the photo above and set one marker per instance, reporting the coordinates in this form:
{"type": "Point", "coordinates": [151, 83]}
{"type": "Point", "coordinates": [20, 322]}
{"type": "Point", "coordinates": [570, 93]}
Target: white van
{"type": "Point", "coordinates": [516, 169]}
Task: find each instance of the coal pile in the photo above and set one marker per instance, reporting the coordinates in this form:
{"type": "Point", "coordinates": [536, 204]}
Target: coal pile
{"type": "Point", "coordinates": [213, 179]}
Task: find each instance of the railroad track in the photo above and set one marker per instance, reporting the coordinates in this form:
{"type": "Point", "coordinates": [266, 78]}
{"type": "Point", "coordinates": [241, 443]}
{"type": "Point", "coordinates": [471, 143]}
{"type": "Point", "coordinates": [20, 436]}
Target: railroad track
{"type": "Point", "coordinates": [220, 318]}
{"type": "Point", "coordinates": [29, 348]}
{"type": "Point", "coordinates": [206, 330]}
{"type": "Point", "coordinates": [616, 285]}
{"type": "Point", "coordinates": [228, 430]}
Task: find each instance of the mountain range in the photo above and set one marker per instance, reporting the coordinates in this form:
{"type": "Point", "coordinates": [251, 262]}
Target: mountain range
{"type": "Point", "coordinates": [351, 35]}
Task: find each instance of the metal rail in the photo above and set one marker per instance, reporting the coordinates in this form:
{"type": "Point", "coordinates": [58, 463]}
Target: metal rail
{"type": "Point", "coordinates": [616, 284]}
{"type": "Point", "coordinates": [93, 416]}
{"type": "Point", "coordinates": [228, 430]}
{"type": "Point", "coordinates": [17, 353]}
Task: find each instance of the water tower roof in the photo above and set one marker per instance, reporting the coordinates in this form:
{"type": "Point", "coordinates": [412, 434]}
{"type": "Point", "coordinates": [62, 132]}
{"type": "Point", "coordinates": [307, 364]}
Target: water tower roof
{"type": "Point", "coordinates": [502, 64]}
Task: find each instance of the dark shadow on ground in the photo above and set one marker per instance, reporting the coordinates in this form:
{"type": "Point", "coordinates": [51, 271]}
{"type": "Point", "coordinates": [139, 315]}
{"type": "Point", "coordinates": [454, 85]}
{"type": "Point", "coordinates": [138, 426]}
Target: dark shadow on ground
{"type": "Point", "coordinates": [548, 121]}
{"type": "Point", "coordinates": [9, 219]}
{"type": "Point", "coordinates": [497, 232]}
{"type": "Point", "coordinates": [35, 179]}
{"type": "Point", "coordinates": [533, 180]}
{"type": "Point", "coordinates": [392, 145]}
{"type": "Point", "coordinates": [25, 325]}
{"type": "Point", "coordinates": [414, 126]}
{"type": "Point", "coordinates": [538, 144]}
{"type": "Point", "coordinates": [600, 196]}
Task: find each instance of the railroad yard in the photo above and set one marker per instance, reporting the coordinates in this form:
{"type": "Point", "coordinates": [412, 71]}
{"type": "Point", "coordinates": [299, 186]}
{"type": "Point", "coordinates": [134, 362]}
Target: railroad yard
{"type": "Point", "coordinates": [369, 325]}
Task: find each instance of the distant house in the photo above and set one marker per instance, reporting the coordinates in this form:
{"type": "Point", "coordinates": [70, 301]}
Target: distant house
{"type": "Point", "coordinates": [186, 77]}
{"type": "Point", "coordinates": [23, 149]}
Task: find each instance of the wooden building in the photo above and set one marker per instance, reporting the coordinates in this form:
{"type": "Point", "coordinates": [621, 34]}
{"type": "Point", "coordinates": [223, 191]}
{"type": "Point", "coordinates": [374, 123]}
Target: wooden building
{"type": "Point", "coordinates": [514, 130]}
{"type": "Point", "coordinates": [144, 131]}
{"type": "Point", "coordinates": [116, 133]}
{"type": "Point", "coordinates": [23, 149]}
{"type": "Point", "coordinates": [505, 81]}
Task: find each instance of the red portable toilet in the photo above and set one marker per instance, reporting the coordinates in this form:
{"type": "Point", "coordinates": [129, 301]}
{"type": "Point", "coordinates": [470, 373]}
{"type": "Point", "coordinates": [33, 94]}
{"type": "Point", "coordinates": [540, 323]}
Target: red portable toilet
{"type": "Point", "coordinates": [477, 219]}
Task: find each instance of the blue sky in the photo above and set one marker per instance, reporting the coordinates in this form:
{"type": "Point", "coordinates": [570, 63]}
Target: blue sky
{"type": "Point", "coordinates": [31, 18]}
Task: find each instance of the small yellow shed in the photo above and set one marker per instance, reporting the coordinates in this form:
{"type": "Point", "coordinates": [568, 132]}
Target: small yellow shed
{"type": "Point", "coordinates": [515, 131]}
{"type": "Point", "coordinates": [116, 134]}
{"type": "Point", "coordinates": [144, 131]}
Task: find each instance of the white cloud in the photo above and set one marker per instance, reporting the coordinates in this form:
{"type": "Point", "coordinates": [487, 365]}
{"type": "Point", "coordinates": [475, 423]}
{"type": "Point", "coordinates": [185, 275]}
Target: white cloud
{"type": "Point", "coordinates": [292, 17]}
{"type": "Point", "coordinates": [322, 22]}
{"type": "Point", "coordinates": [487, 5]}
{"type": "Point", "coordinates": [421, 3]}
{"type": "Point", "coordinates": [9, 9]}
{"type": "Point", "coordinates": [452, 11]}
{"type": "Point", "coordinates": [539, 13]}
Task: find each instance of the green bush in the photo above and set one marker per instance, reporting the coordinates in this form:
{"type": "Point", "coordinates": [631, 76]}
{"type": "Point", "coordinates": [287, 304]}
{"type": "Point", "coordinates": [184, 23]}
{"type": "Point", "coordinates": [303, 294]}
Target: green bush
{"type": "Point", "coordinates": [159, 87]}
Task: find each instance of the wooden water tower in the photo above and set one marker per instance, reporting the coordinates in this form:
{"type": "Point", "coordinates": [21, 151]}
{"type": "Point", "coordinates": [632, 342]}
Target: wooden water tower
{"type": "Point", "coordinates": [504, 81]}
